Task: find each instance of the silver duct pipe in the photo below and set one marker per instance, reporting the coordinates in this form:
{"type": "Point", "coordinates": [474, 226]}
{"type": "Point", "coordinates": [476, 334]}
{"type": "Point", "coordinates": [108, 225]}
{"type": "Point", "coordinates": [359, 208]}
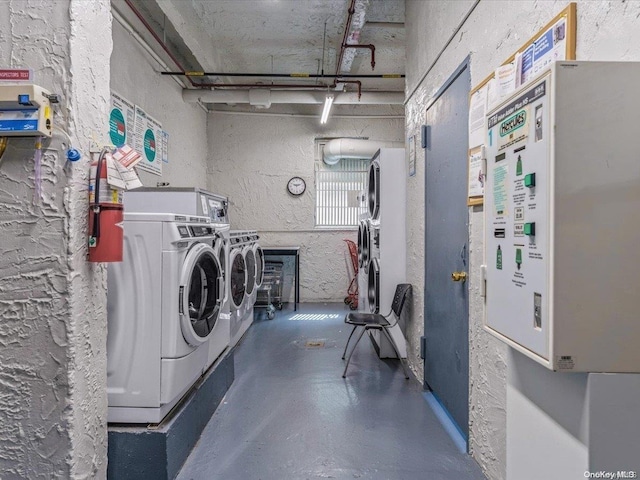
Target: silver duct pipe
{"type": "Point", "coordinates": [339, 148]}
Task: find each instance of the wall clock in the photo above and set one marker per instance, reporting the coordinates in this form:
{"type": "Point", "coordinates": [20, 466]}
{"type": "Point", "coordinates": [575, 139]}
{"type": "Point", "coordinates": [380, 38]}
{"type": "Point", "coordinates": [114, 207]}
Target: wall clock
{"type": "Point", "coordinates": [296, 186]}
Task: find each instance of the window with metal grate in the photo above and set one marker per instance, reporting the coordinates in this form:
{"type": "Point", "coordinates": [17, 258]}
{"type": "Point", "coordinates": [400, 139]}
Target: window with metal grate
{"type": "Point", "coordinates": [339, 192]}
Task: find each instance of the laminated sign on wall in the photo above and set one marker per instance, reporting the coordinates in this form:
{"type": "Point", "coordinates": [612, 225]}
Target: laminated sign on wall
{"type": "Point", "coordinates": [121, 120]}
{"type": "Point", "coordinates": [148, 142]}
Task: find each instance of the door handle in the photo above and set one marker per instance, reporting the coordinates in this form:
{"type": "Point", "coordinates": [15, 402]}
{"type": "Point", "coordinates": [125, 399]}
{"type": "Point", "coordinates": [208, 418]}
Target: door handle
{"type": "Point", "coordinates": [459, 276]}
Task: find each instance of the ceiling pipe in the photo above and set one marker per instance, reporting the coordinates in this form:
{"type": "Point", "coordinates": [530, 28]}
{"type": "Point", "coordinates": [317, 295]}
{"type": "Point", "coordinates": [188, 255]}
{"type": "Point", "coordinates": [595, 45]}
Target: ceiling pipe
{"type": "Point", "coordinates": [287, 75]}
{"type": "Point", "coordinates": [351, 11]}
{"type": "Point", "coordinates": [370, 47]}
{"type": "Point", "coordinates": [308, 86]}
{"type": "Point", "coordinates": [293, 97]}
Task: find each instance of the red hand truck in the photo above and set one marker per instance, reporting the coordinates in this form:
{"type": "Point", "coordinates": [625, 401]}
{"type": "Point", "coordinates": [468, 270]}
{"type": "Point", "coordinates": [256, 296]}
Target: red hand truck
{"type": "Point", "coordinates": [352, 291]}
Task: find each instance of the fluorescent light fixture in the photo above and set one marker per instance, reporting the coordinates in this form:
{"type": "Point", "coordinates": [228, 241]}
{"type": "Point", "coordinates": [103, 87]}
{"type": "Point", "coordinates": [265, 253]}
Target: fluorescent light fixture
{"type": "Point", "coordinates": [328, 101]}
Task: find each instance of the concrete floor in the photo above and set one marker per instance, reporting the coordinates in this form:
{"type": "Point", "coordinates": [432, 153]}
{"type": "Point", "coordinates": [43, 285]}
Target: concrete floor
{"type": "Point", "coordinates": [290, 414]}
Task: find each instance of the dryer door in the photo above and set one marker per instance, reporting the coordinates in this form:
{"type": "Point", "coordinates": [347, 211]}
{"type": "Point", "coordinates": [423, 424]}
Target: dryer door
{"type": "Point", "coordinates": [373, 187]}
{"type": "Point", "coordinates": [201, 293]}
{"type": "Point", "coordinates": [366, 245]}
{"type": "Point", "coordinates": [374, 286]}
{"type": "Point", "coordinates": [361, 228]}
{"type": "Point", "coordinates": [238, 278]}
{"type": "Point", "coordinates": [259, 264]}
{"type": "Point", "coordinates": [250, 260]}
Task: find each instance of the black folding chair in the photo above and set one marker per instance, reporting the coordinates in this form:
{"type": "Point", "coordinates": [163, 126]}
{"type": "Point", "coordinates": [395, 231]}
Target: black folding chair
{"type": "Point", "coordinates": [375, 321]}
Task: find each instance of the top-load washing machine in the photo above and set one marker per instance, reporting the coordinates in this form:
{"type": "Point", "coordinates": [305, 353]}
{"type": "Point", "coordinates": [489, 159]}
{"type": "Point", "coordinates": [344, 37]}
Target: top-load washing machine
{"type": "Point", "coordinates": [247, 269]}
{"type": "Point", "coordinates": [163, 304]}
{"type": "Point", "coordinates": [194, 201]}
{"type": "Point", "coordinates": [386, 203]}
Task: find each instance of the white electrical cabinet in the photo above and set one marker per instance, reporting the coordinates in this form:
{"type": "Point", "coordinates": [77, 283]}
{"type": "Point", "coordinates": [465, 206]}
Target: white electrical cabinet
{"type": "Point", "coordinates": [562, 218]}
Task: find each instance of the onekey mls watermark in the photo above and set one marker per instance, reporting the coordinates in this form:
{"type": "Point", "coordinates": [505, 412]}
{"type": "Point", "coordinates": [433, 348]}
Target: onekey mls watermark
{"type": "Point", "coordinates": [612, 475]}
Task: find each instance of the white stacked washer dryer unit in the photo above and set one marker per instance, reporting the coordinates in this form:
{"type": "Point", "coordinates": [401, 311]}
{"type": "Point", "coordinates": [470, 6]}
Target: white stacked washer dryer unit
{"type": "Point", "coordinates": [247, 268]}
{"type": "Point", "coordinates": [195, 201]}
{"type": "Point", "coordinates": [163, 304]}
{"type": "Point", "coordinates": [387, 197]}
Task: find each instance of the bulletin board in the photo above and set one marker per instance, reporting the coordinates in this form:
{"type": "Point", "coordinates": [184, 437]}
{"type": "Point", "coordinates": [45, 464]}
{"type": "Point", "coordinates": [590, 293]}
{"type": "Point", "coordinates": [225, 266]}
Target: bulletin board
{"type": "Point", "coordinates": [555, 41]}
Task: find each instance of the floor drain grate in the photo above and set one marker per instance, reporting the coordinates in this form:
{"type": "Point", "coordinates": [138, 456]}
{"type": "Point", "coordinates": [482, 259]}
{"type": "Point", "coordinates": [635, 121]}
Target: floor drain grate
{"type": "Point", "coordinates": [314, 344]}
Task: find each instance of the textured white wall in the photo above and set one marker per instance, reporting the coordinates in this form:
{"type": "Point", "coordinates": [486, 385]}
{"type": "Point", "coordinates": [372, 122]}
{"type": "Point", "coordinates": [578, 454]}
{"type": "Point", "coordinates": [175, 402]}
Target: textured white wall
{"type": "Point", "coordinates": [134, 76]}
{"type": "Point", "coordinates": [607, 30]}
{"type": "Point", "coordinates": [251, 160]}
{"type": "Point", "coordinates": [52, 302]}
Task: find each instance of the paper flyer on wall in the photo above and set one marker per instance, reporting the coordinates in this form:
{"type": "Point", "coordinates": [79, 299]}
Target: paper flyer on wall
{"type": "Point", "coordinates": [476, 173]}
{"type": "Point", "coordinates": [121, 120]}
{"type": "Point", "coordinates": [140, 125]}
{"type": "Point", "coordinates": [477, 113]}
{"type": "Point", "coordinates": [120, 171]}
{"type": "Point", "coordinates": [165, 147]}
{"type": "Point", "coordinates": [549, 47]}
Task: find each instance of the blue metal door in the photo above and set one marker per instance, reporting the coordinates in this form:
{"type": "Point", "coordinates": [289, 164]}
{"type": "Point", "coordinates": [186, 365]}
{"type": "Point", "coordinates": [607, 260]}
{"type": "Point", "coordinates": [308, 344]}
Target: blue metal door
{"type": "Point", "coordinates": [446, 306]}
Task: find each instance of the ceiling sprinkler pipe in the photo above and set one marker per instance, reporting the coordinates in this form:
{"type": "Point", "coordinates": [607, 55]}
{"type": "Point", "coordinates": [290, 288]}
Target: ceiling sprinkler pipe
{"type": "Point", "coordinates": [352, 10]}
{"type": "Point", "coordinates": [370, 47]}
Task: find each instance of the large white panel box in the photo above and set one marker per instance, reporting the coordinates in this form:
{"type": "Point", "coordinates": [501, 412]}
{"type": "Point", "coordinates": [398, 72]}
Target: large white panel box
{"type": "Point", "coordinates": [562, 199]}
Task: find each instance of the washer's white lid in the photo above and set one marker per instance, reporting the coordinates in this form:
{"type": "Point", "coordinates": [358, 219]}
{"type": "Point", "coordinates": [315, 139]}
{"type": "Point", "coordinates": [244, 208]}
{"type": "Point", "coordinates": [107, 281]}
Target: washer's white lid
{"type": "Point", "coordinates": [165, 217]}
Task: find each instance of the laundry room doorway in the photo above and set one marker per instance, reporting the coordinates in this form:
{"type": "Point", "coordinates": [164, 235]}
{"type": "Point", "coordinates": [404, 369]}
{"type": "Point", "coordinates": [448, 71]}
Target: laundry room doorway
{"type": "Point", "coordinates": [446, 305]}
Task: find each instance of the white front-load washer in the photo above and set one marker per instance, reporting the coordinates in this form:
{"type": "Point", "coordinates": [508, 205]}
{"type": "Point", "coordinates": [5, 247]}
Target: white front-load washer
{"type": "Point", "coordinates": [163, 305]}
{"type": "Point", "coordinates": [194, 201]}
{"type": "Point", "coordinates": [244, 255]}
{"type": "Point", "coordinates": [237, 291]}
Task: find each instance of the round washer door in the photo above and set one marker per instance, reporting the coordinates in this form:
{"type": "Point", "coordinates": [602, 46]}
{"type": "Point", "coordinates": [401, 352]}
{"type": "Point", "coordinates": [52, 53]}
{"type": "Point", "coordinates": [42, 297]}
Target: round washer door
{"type": "Point", "coordinates": [373, 286]}
{"type": "Point", "coordinates": [201, 293]}
{"type": "Point", "coordinates": [373, 187]}
{"type": "Point", "coordinates": [250, 260]}
{"type": "Point", "coordinates": [259, 255]}
{"type": "Point", "coordinates": [238, 278]}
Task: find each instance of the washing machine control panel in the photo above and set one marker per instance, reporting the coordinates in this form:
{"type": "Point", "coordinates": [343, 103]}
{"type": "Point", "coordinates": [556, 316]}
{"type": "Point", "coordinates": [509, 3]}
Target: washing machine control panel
{"type": "Point", "coordinates": [183, 230]}
{"type": "Point", "coordinates": [200, 231]}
